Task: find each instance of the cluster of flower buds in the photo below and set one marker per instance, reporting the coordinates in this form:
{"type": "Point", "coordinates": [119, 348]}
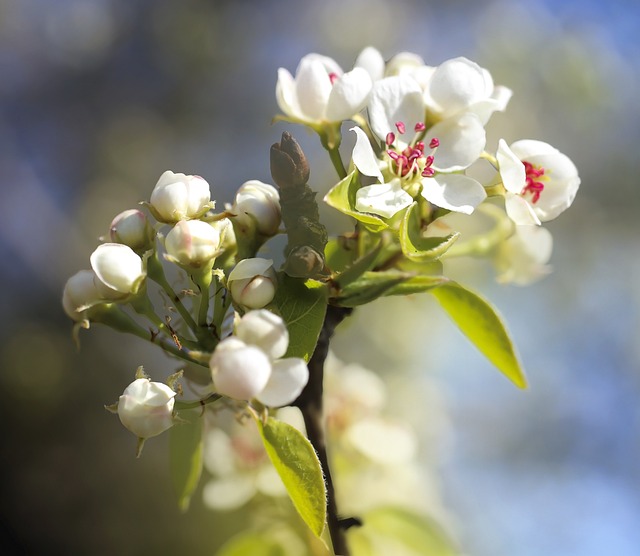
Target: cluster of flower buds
{"type": "Point", "coordinates": [424, 128]}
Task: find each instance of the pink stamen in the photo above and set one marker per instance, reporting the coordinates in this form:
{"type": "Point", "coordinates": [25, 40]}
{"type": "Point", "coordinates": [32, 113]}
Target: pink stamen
{"type": "Point", "coordinates": [401, 127]}
{"type": "Point", "coordinates": [420, 127]}
{"type": "Point", "coordinates": [420, 146]}
{"type": "Point", "coordinates": [390, 139]}
{"type": "Point", "coordinates": [532, 186]}
{"type": "Point", "coordinates": [428, 172]}
{"type": "Point", "coordinates": [434, 143]}
{"type": "Point", "coordinates": [333, 77]}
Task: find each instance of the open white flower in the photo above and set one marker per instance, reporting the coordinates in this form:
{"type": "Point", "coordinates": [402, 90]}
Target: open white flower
{"type": "Point", "coordinates": [321, 92]}
{"type": "Point", "coordinates": [539, 180]}
{"type": "Point", "coordinates": [250, 365]}
{"type": "Point", "coordinates": [395, 103]}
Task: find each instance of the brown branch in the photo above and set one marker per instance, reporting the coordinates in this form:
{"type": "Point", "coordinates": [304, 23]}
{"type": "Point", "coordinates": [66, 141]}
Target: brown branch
{"type": "Point", "coordinates": [310, 404]}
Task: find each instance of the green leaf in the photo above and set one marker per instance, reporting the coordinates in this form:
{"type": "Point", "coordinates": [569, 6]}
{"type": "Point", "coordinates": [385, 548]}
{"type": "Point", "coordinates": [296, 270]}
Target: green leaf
{"type": "Point", "coordinates": [481, 323]}
{"type": "Point", "coordinates": [342, 197]}
{"type": "Point", "coordinates": [404, 531]}
{"type": "Point", "coordinates": [252, 544]}
{"type": "Point", "coordinates": [185, 445]}
{"type": "Point", "coordinates": [359, 267]}
{"type": "Point", "coordinates": [369, 287]}
{"type": "Point", "coordinates": [416, 284]}
{"type": "Point", "coordinates": [297, 464]}
{"type": "Point", "coordinates": [302, 305]}
{"type": "Point", "coordinates": [416, 247]}
{"type": "Point", "coordinates": [340, 252]}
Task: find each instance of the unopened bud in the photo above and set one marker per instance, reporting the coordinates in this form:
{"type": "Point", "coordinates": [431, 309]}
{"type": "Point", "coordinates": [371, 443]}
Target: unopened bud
{"type": "Point", "coordinates": [253, 283]}
{"type": "Point", "coordinates": [257, 209]}
{"type": "Point", "coordinates": [146, 408]}
{"type": "Point", "coordinates": [132, 228]}
{"type": "Point", "coordinates": [179, 197]}
{"type": "Point", "coordinates": [80, 293]}
{"type": "Point", "coordinates": [289, 166]}
{"type": "Point", "coordinates": [192, 243]}
{"type": "Point", "coordinates": [119, 270]}
{"type": "Point", "coordinates": [304, 261]}
{"type": "Point", "coordinates": [266, 330]}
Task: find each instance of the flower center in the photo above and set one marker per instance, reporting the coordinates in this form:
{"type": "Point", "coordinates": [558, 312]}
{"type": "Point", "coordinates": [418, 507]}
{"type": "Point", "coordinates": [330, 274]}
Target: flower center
{"type": "Point", "coordinates": [412, 160]}
{"type": "Point", "coordinates": [533, 185]}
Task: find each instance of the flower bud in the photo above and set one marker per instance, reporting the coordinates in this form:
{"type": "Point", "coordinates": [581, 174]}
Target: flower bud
{"type": "Point", "coordinates": [132, 228]}
{"type": "Point", "coordinates": [289, 166]}
{"type": "Point", "coordinates": [192, 243]}
{"type": "Point", "coordinates": [288, 378]}
{"type": "Point", "coordinates": [265, 330]}
{"type": "Point", "coordinates": [257, 209]}
{"type": "Point", "coordinates": [80, 293]}
{"type": "Point", "coordinates": [146, 408]}
{"type": "Point", "coordinates": [253, 283]}
{"type": "Point", "coordinates": [178, 197]}
{"type": "Point", "coordinates": [119, 270]}
{"type": "Point", "coordinates": [239, 371]}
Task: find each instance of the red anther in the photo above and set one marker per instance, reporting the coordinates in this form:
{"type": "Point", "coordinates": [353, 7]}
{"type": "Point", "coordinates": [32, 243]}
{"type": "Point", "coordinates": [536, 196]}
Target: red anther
{"type": "Point", "coordinates": [393, 154]}
{"type": "Point", "coordinates": [430, 160]}
{"type": "Point", "coordinates": [534, 187]}
{"type": "Point", "coordinates": [434, 143]}
{"type": "Point", "coordinates": [428, 172]}
{"type": "Point", "coordinates": [420, 146]}
{"type": "Point", "coordinates": [390, 139]}
{"type": "Point", "coordinates": [333, 77]}
{"type": "Point", "coordinates": [401, 127]}
{"type": "Point", "coordinates": [420, 126]}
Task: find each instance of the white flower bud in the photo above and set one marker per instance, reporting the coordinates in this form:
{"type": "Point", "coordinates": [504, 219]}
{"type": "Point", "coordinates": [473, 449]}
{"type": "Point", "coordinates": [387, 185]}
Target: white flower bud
{"type": "Point", "coordinates": [146, 408]}
{"type": "Point", "coordinates": [239, 371]}
{"type": "Point", "coordinates": [257, 209]}
{"type": "Point", "coordinates": [80, 293]}
{"type": "Point", "coordinates": [288, 378]}
{"type": "Point", "coordinates": [132, 228]}
{"type": "Point", "coordinates": [192, 243]}
{"type": "Point", "coordinates": [265, 330]}
{"type": "Point", "coordinates": [178, 197]}
{"type": "Point", "coordinates": [118, 268]}
{"type": "Point", "coordinates": [253, 283]}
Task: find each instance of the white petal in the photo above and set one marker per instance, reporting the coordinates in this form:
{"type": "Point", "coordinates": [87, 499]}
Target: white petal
{"type": "Point", "coordinates": [395, 99]}
{"type": "Point", "coordinates": [313, 88]}
{"type": "Point", "coordinates": [329, 64]}
{"type": "Point", "coordinates": [526, 148]}
{"type": "Point", "coordinates": [453, 192]}
{"type": "Point", "coordinates": [349, 95]}
{"type": "Point", "coordinates": [383, 199]}
{"type": "Point", "coordinates": [403, 62]}
{"type": "Point", "coordinates": [372, 61]}
{"type": "Point", "coordinates": [248, 268]}
{"type": "Point", "coordinates": [520, 211]}
{"type": "Point", "coordinates": [522, 259]}
{"type": "Point", "coordinates": [288, 378]}
{"type": "Point", "coordinates": [117, 266]}
{"type": "Point", "coordinates": [462, 140]}
{"type": "Point", "coordinates": [382, 441]}
{"type": "Point", "coordinates": [229, 493]}
{"type": "Point", "coordinates": [286, 94]}
{"type": "Point", "coordinates": [363, 156]}
{"type": "Point", "coordinates": [511, 169]}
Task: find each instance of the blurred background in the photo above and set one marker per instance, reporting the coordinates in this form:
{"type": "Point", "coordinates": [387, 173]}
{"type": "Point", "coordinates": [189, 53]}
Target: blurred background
{"type": "Point", "coordinates": [99, 97]}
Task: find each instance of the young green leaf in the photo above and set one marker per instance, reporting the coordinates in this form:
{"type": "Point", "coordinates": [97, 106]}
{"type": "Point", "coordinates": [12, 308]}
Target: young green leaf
{"type": "Point", "coordinates": [342, 197]}
{"type": "Point", "coordinates": [359, 267]}
{"type": "Point", "coordinates": [481, 323]}
{"type": "Point", "coordinates": [302, 305]}
{"type": "Point", "coordinates": [297, 464]}
{"type": "Point", "coordinates": [416, 247]}
{"type": "Point", "coordinates": [185, 445]}
{"type": "Point", "coordinates": [340, 252]}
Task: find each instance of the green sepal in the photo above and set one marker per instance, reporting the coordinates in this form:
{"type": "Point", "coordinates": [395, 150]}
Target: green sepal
{"type": "Point", "coordinates": [340, 252]}
{"type": "Point", "coordinates": [296, 462]}
{"type": "Point", "coordinates": [186, 454]}
{"type": "Point", "coordinates": [342, 197]}
{"type": "Point", "coordinates": [416, 247]}
{"type": "Point", "coordinates": [302, 305]}
{"type": "Point", "coordinates": [358, 267]}
{"type": "Point", "coordinates": [372, 285]}
{"type": "Point", "coordinates": [481, 323]}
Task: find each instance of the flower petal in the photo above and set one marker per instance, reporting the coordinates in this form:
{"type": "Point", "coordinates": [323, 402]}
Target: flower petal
{"type": "Point", "coordinates": [288, 378]}
{"type": "Point", "coordinates": [383, 199]}
{"type": "Point", "coordinates": [313, 88]}
{"type": "Point", "coordinates": [363, 156]}
{"type": "Point", "coordinates": [462, 140]}
{"type": "Point", "coordinates": [520, 211]}
{"type": "Point", "coordinates": [349, 95]}
{"type": "Point", "coordinates": [511, 169]}
{"type": "Point", "coordinates": [453, 192]}
{"type": "Point", "coordinates": [372, 61]}
{"type": "Point", "coordinates": [395, 99]}
{"type": "Point", "coordinates": [286, 94]}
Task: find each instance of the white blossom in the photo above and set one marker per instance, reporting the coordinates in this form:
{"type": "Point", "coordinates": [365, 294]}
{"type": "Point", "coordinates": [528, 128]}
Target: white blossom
{"type": "Point", "coordinates": [522, 258]}
{"type": "Point", "coordinates": [179, 197]}
{"type": "Point", "coordinates": [192, 243]}
{"type": "Point", "coordinates": [131, 227]}
{"type": "Point", "coordinates": [146, 408]}
{"type": "Point", "coordinates": [119, 270]}
{"type": "Point", "coordinates": [253, 282]}
{"type": "Point", "coordinates": [256, 209]}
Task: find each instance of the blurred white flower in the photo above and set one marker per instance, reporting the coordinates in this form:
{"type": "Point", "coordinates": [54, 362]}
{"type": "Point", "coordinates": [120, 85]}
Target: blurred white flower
{"type": "Point", "coordinates": [539, 180]}
{"type": "Point", "coordinates": [179, 197]}
{"type": "Point", "coordinates": [146, 408]}
{"type": "Point", "coordinates": [522, 259]}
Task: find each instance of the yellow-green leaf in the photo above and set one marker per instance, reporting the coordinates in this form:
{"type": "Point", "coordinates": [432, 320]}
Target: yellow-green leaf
{"type": "Point", "coordinates": [416, 247]}
{"type": "Point", "coordinates": [482, 324]}
{"type": "Point", "coordinates": [296, 462]}
{"type": "Point", "coordinates": [185, 444]}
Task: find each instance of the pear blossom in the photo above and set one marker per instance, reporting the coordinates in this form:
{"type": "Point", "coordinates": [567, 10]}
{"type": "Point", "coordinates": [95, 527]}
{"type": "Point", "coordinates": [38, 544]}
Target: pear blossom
{"type": "Point", "coordinates": [522, 258]}
{"type": "Point", "coordinates": [321, 92]}
{"type": "Point", "coordinates": [256, 209]}
{"type": "Point", "coordinates": [119, 270]}
{"type": "Point", "coordinates": [539, 180]}
{"type": "Point", "coordinates": [80, 293]}
{"type": "Point", "coordinates": [250, 365]}
{"type": "Point", "coordinates": [461, 86]}
{"type": "Point", "coordinates": [131, 227]}
{"type": "Point", "coordinates": [179, 197]}
{"type": "Point", "coordinates": [252, 283]}
{"type": "Point", "coordinates": [146, 408]}
{"type": "Point", "coordinates": [192, 243]}
{"type": "Point", "coordinates": [395, 102]}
